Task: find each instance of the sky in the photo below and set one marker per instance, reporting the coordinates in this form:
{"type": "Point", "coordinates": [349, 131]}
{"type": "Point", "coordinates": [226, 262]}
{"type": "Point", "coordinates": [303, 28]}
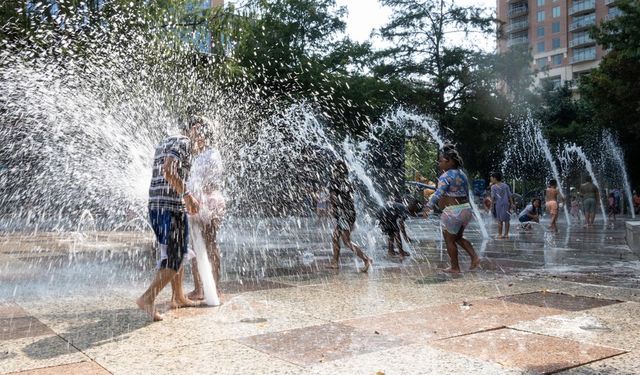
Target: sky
{"type": "Point", "coordinates": [366, 15]}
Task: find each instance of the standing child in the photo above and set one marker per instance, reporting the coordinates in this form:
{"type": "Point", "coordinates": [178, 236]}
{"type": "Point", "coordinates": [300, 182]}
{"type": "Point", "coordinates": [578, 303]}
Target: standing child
{"type": "Point", "coordinates": [575, 207]}
{"type": "Point", "coordinates": [391, 220]}
{"type": "Point", "coordinates": [502, 203]}
{"type": "Point", "coordinates": [613, 207]}
{"type": "Point", "coordinates": [552, 196]}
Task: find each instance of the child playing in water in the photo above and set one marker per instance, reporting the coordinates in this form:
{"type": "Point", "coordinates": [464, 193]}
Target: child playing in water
{"type": "Point", "coordinates": [575, 207]}
{"type": "Point", "coordinates": [344, 211]}
{"type": "Point", "coordinates": [613, 207]}
{"type": "Point", "coordinates": [530, 214]}
{"type": "Point", "coordinates": [552, 196]}
{"type": "Point", "coordinates": [391, 220]}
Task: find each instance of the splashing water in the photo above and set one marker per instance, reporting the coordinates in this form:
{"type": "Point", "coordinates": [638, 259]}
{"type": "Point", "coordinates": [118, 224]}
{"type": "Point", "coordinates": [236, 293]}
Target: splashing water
{"type": "Point", "coordinates": [576, 150]}
{"type": "Point", "coordinates": [618, 155]}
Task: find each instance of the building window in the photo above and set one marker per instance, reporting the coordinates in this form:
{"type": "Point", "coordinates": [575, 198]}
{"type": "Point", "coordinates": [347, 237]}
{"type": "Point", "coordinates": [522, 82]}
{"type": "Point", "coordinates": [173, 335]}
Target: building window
{"type": "Point", "coordinates": [556, 59]}
{"type": "Point", "coordinates": [540, 31]}
{"type": "Point", "coordinates": [555, 27]}
{"type": "Point", "coordinates": [540, 3]}
{"type": "Point", "coordinates": [540, 47]}
{"type": "Point", "coordinates": [541, 63]}
{"type": "Point", "coordinates": [556, 12]}
{"type": "Point", "coordinates": [555, 43]}
{"type": "Point", "coordinates": [556, 82]}
{"type": "Point", "coordinates": [541, 16]}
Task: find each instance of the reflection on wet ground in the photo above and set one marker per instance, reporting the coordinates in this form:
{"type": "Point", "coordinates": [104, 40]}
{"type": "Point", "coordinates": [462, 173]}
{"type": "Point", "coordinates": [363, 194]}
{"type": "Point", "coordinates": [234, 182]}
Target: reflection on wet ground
{"type": "Point", "coordinates": [66, 304]}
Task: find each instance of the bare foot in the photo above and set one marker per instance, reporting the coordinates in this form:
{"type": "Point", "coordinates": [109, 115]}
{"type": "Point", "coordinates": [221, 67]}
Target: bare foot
{"type": "Point", "coordinates": [150, 310]}
{"type": "Point", "coordinates": [334, 265]}
{"type": "Point", "coordinates": [196, 295]}
{"type": "Point", "coordinates": [392, 253]}
{"type": "Point", "coordinates": [451, 270]}
{"type": "Point", "coordinates": [179, 304]}
{"type": "Point", "coordinates": [475, 263]}
{"type": "Point", "coordinates": [404, 253]}
{"type": "Point", "coordinates": [367, 265]}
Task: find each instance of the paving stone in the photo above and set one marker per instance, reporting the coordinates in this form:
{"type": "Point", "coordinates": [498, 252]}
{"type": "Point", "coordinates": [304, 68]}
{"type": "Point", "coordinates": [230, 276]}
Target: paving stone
{"type": "Point", "coordinates": [558, 301]}
{"type": "Point", "coordinates": [437, 322]}
{"type": "Point", "coordinates": [80, 368]}
{"type": "Point", "coordinates": [316, 344]}
{"type": "Point", "coordinates": [534, 353]}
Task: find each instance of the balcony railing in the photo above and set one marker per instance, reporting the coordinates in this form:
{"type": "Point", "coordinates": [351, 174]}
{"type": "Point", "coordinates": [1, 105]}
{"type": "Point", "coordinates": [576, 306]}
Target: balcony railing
{"type": "Point", "coordinates": [614, 12]}
{"type": "Point", "coordinates": [518, 11]}
{"type": "Point", "coordinates": [517, 26]}
{"type": "Point", "coordinates": [581, 41]}
{"type": "Point", "coordinates": [582, 23]}
{"type": "Point", "coordinates": [609, 2]}
{"type": "Point", "coordinates": [518, 40]}
{"type": "Point", "coordinates": [582, 7]}
{"type": "Point", "coordinates": [581, 56]}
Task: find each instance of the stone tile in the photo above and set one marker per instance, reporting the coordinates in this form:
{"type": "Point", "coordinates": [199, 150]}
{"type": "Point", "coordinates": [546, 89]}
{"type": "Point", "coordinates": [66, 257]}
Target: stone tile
{"type": "Point", "coordinates": [239, 317]}
{"type": "Point", "coordinates": [437, 322]}
{"type": "Point", "coordinates": [316, 344]}
{"type": "Point", "coordinates": [527, 351]}
{"type": "Point", "coordinates": [355, 299]}
{"type": "Point", "coordinates": [609, 292]}
{"type": "Point", "coordinates": [36, 352]}
{"type": "Point", "coordinates": [614, 325]}
{"type": "Point", "coordinates": [412, 359]}
{"type": "Point", "coordinates": [625, 364]}
{"type": "Point", "coordinates": [80, 368]}
{"type": "Point", "coordinates": [19, 327]}
{"type": "Point", "coordinates": [219, 358]}
{"type": "Point", "coordinates": [559, 301]}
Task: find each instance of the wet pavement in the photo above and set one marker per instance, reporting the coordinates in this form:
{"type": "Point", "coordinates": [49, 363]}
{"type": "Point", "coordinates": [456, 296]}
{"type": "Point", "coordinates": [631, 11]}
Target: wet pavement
{"type": "Point", "coordinates": [543, 302]}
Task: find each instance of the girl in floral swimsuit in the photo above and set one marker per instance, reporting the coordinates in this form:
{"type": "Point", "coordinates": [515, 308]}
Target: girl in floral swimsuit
{"type": "Point", "coordinates": [452, 196]}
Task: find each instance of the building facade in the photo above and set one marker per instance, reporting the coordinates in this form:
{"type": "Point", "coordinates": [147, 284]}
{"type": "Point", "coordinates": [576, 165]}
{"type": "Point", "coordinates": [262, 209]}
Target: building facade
{"type": "Point", "coordinates": [556, 32]}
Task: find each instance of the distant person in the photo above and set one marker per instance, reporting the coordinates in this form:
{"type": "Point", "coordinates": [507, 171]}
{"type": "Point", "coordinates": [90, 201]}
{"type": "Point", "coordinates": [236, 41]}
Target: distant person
{"type": "Point", "coordinates": [552, 197]}
{"type": "Point", "coordinates": [169, 204]}
{"type": "Point", "coordinates": [530, 214]}
{"type": "Point", "coordinates": [612, 206]}
{"type": "Point", "coordinates": [575, 207]}
{"type": "Point", "coordinates": [205, 182]}
{"type": "Point", "coordinates": [590, 200]}
{"type": "Point", "coordinates": [502, 203]}
{"type": "Point", "coordinates": [486, 202]}
{"type": "Point", "coordinates": [344, 211]}
{"type": "Point", "coordinates": [636, 202]}
{"type": "Point", "coordinates": [452, 196]}
{"type": "Point", "coordinates": [391, 219]}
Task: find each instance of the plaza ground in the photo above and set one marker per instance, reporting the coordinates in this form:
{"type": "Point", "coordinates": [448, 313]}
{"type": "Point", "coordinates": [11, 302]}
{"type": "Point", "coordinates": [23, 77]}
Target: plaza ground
{"type": "Point", "coordinates": [543, 303]}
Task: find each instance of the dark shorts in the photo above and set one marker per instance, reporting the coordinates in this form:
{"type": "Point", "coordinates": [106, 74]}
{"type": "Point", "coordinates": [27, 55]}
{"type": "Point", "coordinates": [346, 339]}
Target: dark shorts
{"type": "Point", "coordinates": [589, 205]}
{"type": "Point", "coordinates": [171, 229]}
{"type": "Point", "coordinates": [389, 228]}
{"type": "Point", "coordinates": [345, 220]}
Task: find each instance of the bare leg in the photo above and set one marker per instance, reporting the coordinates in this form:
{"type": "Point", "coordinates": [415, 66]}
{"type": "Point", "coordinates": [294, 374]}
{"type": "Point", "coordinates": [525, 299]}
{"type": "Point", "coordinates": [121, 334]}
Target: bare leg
{"type": "Point", "coordinates": [507, 226]}
{"type": "Point", "coordinates": [468, 247]}
{"type": "Point", "coordinates": [499, 229]}
{"type": "Point", "coordinates": [391, 251]}
{"type": "Point", "coordinates": [452, 250]}
{"type": "Point", "coordinates": [146, 301]}
{"type": "Point", "coordinates": [346, 238]}
{"type": "Point", "coordinates": [335, 242]}
{"type": "Point", "coordinates": [178, 299]}
{"type": "Point", "coordinates": [399, 242]}
{"type": "Point", "coordinates": [197, 293]}
{"type": "Point", "coordinates": [213, 251]}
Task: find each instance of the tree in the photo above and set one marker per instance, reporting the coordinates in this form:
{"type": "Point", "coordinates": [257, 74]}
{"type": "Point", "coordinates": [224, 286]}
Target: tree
{"type": "Point", "coordinates": [421, 52]}
{"type": "Point", "coordinates": [611, 91]}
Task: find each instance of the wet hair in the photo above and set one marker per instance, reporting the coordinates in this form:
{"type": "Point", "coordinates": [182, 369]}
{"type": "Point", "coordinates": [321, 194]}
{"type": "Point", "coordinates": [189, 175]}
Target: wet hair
{"type": "Point", "coordinates": [449, 152]}
{"type": "Point", "coordinates": [533, 201]}
{"type": "Point", "coordinates": [496, 175]}
{"type": "Point", "coordinates": [197, 120]}
{"type": "Point", "coordinates": [553, 183]}
{"type": "Point", "coordinates": [588, 179]}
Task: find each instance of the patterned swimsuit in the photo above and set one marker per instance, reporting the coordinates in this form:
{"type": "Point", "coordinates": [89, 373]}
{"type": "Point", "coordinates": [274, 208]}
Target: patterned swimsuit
{"type": "Point", "coordinates": [453, 183]}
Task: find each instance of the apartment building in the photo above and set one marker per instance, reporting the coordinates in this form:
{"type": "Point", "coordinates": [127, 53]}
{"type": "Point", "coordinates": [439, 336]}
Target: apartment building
{"type": "Point", "coordinates": [556, 31]}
